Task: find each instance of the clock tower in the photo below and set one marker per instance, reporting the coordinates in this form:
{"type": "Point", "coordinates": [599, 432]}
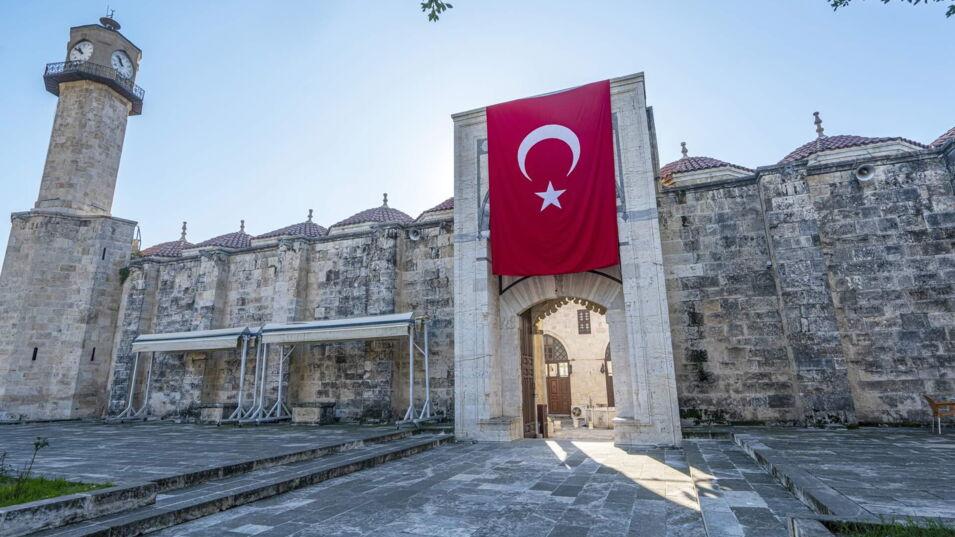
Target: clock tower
{"type": "Point", "coordinates": [60, 285]}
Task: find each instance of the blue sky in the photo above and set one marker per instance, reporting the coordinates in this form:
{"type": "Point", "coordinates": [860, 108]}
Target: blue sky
{"type": "Point", "coordinates": [262, 110]}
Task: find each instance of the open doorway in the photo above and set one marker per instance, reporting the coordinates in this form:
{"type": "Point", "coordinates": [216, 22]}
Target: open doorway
{"type": "Point", "coordinates": [566, 370]}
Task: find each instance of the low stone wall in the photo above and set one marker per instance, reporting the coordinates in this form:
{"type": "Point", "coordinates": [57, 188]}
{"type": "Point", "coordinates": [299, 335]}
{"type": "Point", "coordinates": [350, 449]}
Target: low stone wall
{"type": "Point", "coordinates": [30, 517]}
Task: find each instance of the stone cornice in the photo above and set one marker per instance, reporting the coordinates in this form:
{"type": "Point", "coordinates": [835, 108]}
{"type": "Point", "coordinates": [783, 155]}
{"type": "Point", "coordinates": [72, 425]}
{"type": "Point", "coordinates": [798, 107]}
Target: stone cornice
{"type": "Point", "coordinates": [60, 213]}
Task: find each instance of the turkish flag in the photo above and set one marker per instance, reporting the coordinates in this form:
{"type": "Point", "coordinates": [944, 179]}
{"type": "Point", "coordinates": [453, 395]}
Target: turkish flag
{"type": "Point", "coordinates": [553, 203]}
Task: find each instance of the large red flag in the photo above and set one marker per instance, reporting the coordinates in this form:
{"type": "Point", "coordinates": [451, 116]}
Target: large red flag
{"type": "Point", "coordinates": [553, 204]}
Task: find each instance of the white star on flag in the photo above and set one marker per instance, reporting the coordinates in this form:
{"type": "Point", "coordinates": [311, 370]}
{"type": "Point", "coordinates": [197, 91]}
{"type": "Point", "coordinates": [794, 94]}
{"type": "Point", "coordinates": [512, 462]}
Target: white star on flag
{"type": "Point", "coordinates": [550, 196]}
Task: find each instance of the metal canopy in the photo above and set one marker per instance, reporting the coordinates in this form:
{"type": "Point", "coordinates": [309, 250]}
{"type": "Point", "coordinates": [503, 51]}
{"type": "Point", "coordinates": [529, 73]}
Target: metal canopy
{"type": "Point", "coordinates": [199, 340]}
{"type": "Point", "coordinates": [356, 328]}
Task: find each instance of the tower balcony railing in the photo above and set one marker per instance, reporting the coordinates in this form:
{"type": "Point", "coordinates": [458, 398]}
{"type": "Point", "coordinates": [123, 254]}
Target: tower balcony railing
{"type": "Point", "coordinates": [71, 71]}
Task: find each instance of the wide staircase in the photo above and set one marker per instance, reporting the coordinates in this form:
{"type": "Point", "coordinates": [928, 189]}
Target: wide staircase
{"type": "Point", "coordinates": [191, 496]}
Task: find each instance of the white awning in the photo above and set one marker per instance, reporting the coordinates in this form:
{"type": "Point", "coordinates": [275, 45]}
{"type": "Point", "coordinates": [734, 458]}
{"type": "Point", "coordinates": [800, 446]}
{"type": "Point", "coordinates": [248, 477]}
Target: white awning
{"type": "Point", "coordinates": [372, 327]}
{"type": "Point", "coordinates": [199, 340]}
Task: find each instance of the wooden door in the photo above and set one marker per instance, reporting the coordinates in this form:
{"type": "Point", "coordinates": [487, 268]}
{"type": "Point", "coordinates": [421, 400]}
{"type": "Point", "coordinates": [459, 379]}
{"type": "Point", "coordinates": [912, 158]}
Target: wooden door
{"type": "Point", "coordinates": [527, 376]}
{"type": "Point", "coordinates": [558, 395]}
{"type": "Point", "coordinates": [558, 376]}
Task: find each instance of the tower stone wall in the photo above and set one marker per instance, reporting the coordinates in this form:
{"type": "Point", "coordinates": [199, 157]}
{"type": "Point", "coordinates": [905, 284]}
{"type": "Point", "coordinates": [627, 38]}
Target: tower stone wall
{"type": "Point", "coordinates": [82, 162]}
{"type": "Point", "coordinates": [60, 292]}
{"type": "Point", "coordinates": [61, 282]}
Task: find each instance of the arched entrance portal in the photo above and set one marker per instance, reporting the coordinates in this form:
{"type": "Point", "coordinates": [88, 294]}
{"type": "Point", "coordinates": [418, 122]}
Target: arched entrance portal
{"type": "Point", "coordinates": [488, 356]}
{"type": "Point", "coordinates": [523, 306]}
{"type": "Point", "coordinates": [564, 390]}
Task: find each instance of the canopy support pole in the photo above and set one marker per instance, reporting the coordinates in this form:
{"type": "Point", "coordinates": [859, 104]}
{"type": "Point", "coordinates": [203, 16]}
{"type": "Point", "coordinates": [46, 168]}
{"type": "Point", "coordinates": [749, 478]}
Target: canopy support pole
{"type": "Point", "coordinates": [143, 412]}
{"type": "Point", "coordinates": [256, 413]}
{"type": "Point", "coordinates": [279, 405]}
{"type": "Point", "coordinates": [128, 411]}
{"type": "Point", "coordinates": [255, 381]}
{"type": "Point", "coordinates": [237, 413]}
{"type": "Point", "coordinates": [426, 407]}
{"type": "Point", "coordinates": [410, 413]}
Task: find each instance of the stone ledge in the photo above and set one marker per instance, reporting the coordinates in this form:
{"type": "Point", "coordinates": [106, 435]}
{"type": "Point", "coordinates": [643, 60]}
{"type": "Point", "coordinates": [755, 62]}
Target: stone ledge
{"type": "Point", "coordinates": [817, 526]}
{"type": "Point", "coordinates": [30, 517]}
{"type": "Point", "coordinates": [818, 496]}
{"type": "Point", "coordinates": [807, 527]}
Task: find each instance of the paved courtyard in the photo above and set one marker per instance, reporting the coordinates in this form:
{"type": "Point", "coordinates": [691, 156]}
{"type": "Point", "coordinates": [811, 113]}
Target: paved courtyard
{"type": "Point", "coordinates": [558, 487]}
{"type": "Point", "coordinates": [99, 452]}
{"type": "Point", "coordinates": [528, 488]}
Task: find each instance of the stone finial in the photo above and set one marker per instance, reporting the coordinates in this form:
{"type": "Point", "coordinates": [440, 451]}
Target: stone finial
{"type": "Point", "coordinates": [385, 202]}
{"type": "Point", "coordinates": [183, 236]}
{"type": "Point", "coordinates": [683, 149]}
{"type": "Point", "coordinates": [818, 123]}
{"type": "Point", "coordinates": [241, 226]}
{"type": "Point", "coordinates": [309, 215]}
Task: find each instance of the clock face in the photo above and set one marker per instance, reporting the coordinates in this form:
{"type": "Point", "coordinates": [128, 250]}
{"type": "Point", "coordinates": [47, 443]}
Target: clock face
{"type": "Point", "coordinates": [122, 64]}
{"type": "Point", "coordinates": [81, 52]}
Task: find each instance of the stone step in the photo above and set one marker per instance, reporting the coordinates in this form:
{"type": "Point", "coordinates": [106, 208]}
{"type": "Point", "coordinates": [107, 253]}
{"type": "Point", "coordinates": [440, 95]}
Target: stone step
{"type": "Point", "coordinates": [190, 503]}
{"type": "Point", "coordinates": [188, 479]}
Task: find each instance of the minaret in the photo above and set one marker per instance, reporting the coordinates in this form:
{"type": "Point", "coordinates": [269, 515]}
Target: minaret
{"type": "Point", "coordinates": [60, 285]}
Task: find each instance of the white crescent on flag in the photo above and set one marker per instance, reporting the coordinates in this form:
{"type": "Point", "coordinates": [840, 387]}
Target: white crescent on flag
{"type": "Point", "coordinates": [548, 132]}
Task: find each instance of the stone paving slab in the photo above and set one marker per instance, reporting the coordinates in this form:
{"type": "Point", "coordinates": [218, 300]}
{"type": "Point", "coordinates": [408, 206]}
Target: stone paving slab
{"type": "Point", "coordinates": [863, 473]}
{"type": "Point", "coordinates": [737, 497]}
{"type": "Point", "coordinates": [137, 452]}
{"type": "Point", "coordinates": [528, 488]}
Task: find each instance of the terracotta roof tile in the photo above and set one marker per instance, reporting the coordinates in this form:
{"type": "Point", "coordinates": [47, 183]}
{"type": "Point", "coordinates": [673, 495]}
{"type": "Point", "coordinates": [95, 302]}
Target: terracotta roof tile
{"type": "Point", "coordinates": [238, 239]}
{"type": "Point", "coordinates": [944, 138]}
{"type": "Point", "coordinates": [303, 229]}
{"type": "Point", "coordinates": [377, 215]}
{"type": "Point", "coordinates": [445, 205]}
{"type": "Point", "coordinates": [167, 249]}
{"type": "Point", "coordinates": [692, 164]}
{"type": "Point", "coordinates": [840, 141]}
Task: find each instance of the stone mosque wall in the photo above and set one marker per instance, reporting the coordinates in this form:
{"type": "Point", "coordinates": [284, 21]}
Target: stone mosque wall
{"type": "Point", "coordinates": [377, 270]}
{"type": "Point", "coordinates": [803, 293]}
{"type": "Point", "coordinates": [798, 293]}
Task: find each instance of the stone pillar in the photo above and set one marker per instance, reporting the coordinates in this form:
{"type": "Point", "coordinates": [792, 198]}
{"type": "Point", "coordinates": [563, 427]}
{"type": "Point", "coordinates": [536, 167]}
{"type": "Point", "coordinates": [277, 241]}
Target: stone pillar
{"type": "Point", "coordinates": [291, 274]}
{"type": "Point", "coordinates": [655, 419]}
{"type": "Point", "coordinates": [211, 289]}
{"type": "Point", "coordinates": [137, 313]}
{"type": "Point", "coordinates": [807, 309]}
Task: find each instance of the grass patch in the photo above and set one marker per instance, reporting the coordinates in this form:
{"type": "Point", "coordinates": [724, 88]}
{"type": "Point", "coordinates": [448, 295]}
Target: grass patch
{"type": "Point", "coordinates": [40, 488]}
{"type": "Point", "coordinates": [931, 529]}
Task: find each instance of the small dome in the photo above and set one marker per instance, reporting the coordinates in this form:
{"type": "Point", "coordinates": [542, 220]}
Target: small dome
{"type": "Point", "coordinates": [445, 205]}
{"type": "Point", "coordinates": [693, 164]}
{"type": "Point", "coordinates": [167, 249]}
{"type": "Point", "coordinates": [378, 215]}
{"type": "Point", "coordinates": [238, 239]}
{"type": "Point", "coordinates": [948, 136]}
{"type": "Point", "coordinates": [307, 229]}
{"type": "Point", "coordinates": [839, 141]}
